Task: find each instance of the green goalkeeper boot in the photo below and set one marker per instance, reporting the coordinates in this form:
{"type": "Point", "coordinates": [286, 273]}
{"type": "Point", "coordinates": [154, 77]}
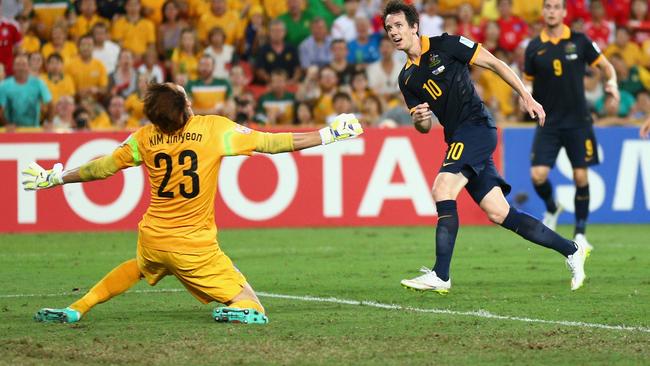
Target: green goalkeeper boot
{"type": "Point", "coordinates": [66, 315]}
{"type": "Point", "coordinates": [236, 315]}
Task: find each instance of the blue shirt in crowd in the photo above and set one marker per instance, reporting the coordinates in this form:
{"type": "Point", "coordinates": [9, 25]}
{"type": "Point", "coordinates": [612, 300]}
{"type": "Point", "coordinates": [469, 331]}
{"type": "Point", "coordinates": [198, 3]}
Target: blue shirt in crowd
{"type": "Point", "coordinates": [21, 103]}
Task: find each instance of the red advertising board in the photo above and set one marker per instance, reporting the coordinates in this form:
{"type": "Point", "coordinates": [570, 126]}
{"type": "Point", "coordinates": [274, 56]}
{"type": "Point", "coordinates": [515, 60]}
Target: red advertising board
{"type": "Point", "coordinates": [384, 178]}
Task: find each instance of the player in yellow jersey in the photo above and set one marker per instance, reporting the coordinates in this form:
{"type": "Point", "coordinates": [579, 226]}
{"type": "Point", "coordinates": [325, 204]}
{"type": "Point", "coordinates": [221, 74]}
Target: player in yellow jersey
{"type": "Point", "coordinates": [177, 235]}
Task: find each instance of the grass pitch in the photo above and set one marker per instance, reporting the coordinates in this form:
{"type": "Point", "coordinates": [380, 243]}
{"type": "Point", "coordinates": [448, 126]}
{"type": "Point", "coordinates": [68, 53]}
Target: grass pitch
{"type": "Point", "coordinates": [493, 272]}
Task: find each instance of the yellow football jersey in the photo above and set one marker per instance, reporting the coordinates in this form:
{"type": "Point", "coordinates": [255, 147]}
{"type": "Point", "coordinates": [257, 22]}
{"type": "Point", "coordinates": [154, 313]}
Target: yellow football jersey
{"type": "Point", "coordinates": [62, 87]}
{"type": "Point", "coordinates": [134, 36]}
{"type": "Point", "coordinates": [183, 170]}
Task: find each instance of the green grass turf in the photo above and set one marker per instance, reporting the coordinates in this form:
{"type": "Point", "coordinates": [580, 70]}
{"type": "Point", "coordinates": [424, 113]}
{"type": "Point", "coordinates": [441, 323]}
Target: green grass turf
{"type": "Point", "coordinates": [493, 270]}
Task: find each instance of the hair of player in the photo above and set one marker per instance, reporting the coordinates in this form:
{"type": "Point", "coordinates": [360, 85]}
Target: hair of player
{"type": "Point", "coordinates": [165, 107]}
{"type": "Point", "coordinates": [396, 7]}
{"type": "Point", "coordinates": [563, 4]}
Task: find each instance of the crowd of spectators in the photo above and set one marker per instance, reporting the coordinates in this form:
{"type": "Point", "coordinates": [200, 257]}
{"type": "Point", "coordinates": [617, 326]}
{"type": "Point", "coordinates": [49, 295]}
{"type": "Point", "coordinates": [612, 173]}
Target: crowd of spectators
{"type": "Point", "coordinates": [84, 65]}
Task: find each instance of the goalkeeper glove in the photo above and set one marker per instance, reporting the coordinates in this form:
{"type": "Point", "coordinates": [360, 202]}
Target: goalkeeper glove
{"type": "Point", "coordinates": [35, 177]}
{"type": "Point", "coordinates": [344, 126]}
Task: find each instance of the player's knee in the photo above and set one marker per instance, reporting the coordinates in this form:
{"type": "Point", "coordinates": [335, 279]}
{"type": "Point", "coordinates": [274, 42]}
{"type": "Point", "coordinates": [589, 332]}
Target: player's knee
{"type": "Point", "coordinates": [442, 192]}
{"type": "Point", "coordinates": [497, 215]}
{"type": "Point", "coordinates": [580, 177]}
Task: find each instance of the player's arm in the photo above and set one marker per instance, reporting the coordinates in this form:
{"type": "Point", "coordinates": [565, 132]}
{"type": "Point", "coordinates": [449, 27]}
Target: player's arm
{"type": "Point", "coordinates": [486, 60]}
{"type": "Point", "coordinates": [611, 85]}
{"type": "Point", "coordinates": [344, 126]}
{"type": "Point", "coordinates": [125, 156]}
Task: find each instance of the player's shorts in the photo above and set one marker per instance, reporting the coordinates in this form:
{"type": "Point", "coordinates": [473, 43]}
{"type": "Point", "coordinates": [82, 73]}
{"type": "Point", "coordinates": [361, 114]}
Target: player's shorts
{"type": "Point", "coordinates": [470, 152]}
{"type": "Point", "coordinates": [209, 276]}
{"type": "Point", "coordinates": [579, 143]}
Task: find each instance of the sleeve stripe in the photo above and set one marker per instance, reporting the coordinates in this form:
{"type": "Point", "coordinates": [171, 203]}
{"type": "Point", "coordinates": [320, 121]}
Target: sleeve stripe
{"type": "Point", "coordinates": [412, 110]}
{"type": "Point", "coordinates": [227, 143]}
{"type": "Point", "coordinates": [529, 77]}
{"type": "Point", "coordinates": [134, 150]}
{"type": "Point", "coordinates": [478, 48]}
{"type": "Point", "coordinates": [597, 60]}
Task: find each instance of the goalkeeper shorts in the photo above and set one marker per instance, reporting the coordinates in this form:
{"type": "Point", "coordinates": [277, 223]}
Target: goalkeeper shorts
{"type": "Point", "coordinates": [209, 276]}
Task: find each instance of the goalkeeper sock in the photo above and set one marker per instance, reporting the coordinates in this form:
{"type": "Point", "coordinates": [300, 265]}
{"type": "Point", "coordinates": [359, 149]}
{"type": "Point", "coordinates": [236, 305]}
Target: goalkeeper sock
{"type": "Point", "coordinates": [533, 230]}
{"type": "Point", "coordinates": [545, 192]}
{"type": "Point", "coordinates": [248, 304]}
{"type": "Point", "coordinates": [446, 232]}
{"type": "Point", "coordinates": [581, 201]}
{"type": "Point", "coordinates": [120, 279]}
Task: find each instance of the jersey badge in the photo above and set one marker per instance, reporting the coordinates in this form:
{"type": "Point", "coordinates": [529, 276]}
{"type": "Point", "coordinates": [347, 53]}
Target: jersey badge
{"type": "Point", "coordinates": [243, 129]}
{"type": "Point", "coordinates": [439, 70]}
{"type": "Point", "coordinates": [541, 52]}
{"type": "Point", "coordinates": [434, 60]}
{"type": "Point", "coordinates": [571, 51]}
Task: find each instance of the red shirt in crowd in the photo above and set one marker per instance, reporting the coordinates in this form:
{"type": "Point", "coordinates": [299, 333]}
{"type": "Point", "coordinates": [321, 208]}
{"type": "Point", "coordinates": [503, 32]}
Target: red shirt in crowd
{"type": "Point", "coordinates": [576, 9]}
{"type": "Point", "coordinates": [471, 31]}
{"type": "Point", "coordinates": [599, 32]}
{"type": "Point", "coordinates": [513, 31]}
{"type": "Point", "coordinates": [9, 37]}
{"type": "Point", "coordinates": [617, 10]}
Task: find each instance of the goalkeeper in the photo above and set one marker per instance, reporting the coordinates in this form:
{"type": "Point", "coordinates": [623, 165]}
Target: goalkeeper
{"type": "Point", "coordinates": [177, 235]}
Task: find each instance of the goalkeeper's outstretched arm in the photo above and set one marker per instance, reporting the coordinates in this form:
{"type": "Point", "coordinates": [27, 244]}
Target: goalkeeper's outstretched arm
{"type": "Point", "coordinates": [35, 177]}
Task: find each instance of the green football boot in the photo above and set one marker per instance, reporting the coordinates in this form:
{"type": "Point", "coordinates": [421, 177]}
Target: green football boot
{"type": "Point", "coordinates": [66, 315]}
{"type": "Point", "coordinates": [236, 315]}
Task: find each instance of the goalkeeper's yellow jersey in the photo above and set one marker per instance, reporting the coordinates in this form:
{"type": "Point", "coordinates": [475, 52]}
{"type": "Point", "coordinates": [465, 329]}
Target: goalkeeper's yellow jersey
{"type": "Point", "coordinates": [183, 170]}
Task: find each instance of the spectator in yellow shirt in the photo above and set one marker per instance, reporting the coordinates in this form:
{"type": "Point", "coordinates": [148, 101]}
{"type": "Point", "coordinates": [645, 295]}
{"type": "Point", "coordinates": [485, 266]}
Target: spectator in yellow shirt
{"type": "Point", "coordinates": [134, 104]}
{"type": "Point", "coordinates": [185, 59]}
{"type": "Point", "coordinates": [30, 42]}
{"type": "Point", "coordinates": [59, 84]}
{"type": "Point", "coordinates": [220, 16]}
{"type": "Point", "coordinates": [629, 50]}
{"type": "Point", "coordinates": [60, 44]}
{"type": "Point", "coordinates": [88, 73]}
{"type": "Point", "coordinates": [84, 22]}
{"type": "Point", "coordinates": [132, 31]}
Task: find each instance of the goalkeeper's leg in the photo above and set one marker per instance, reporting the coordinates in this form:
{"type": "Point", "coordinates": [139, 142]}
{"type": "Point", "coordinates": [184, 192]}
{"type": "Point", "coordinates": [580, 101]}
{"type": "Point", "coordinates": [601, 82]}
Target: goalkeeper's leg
{"type": "Point", "coordinates": [117, 281]}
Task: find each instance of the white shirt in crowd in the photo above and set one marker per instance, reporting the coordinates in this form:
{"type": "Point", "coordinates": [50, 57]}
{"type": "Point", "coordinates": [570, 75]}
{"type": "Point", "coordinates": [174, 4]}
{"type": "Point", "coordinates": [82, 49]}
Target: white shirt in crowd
{"type": "Point", "coordinates": [220, 60]}
{"type": "Point", "coordinates": [431, 26]}
{"type": "Point", "coordinates": [381, 82]}
{"type": "Point", "coordinates": [107, 54]}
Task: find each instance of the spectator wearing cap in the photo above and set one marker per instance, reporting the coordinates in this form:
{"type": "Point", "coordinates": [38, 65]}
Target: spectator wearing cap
{"type": "Point", "coordinates": [22, 96]}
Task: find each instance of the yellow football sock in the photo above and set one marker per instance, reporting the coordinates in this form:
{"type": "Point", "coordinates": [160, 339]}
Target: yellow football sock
{"type": "Point", "coordinates": [120, 279]}
{"type": "Point", "coordinates": [247, 304]}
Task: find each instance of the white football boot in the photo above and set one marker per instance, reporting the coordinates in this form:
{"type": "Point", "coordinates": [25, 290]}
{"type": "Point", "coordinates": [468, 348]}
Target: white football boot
{"type": "Point", "coordinates": [550, 218]}
{"type": "Point", "coordinates": [582, 240]}
{"type": "Point", "coordinates": [576, 263]}
{"type": "Point", "coordinates": [429, 281]}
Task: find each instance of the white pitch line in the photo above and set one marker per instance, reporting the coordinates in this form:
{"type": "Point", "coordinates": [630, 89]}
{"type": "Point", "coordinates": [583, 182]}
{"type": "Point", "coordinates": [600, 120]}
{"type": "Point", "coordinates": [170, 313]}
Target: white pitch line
{"type": "Point", "coordinates": [333, 300]}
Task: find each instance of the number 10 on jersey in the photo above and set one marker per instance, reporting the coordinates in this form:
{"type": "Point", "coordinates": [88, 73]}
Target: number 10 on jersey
{"type": "Point", "coordinates": [433, 89]}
